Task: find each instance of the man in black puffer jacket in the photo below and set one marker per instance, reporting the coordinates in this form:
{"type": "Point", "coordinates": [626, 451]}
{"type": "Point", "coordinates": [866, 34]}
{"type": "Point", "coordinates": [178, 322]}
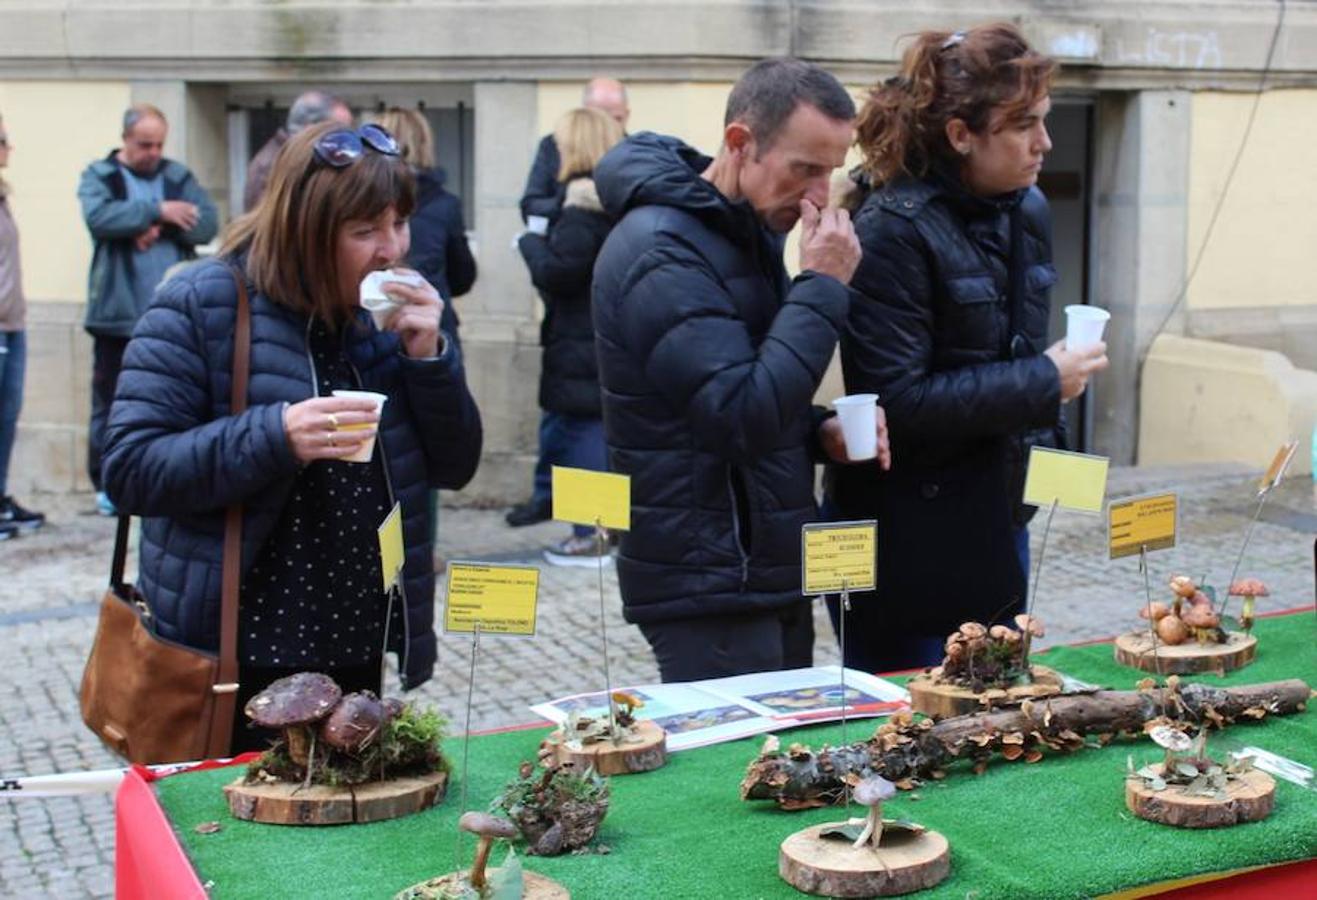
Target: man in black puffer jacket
{"type": "Point", "coordinates": [708, 359]}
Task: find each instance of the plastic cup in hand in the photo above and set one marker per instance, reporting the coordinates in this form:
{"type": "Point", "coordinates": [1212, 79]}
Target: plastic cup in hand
{"type": "Point", "coordinates": [1084, 326]}
{"type": "Point", "coordinates": [380, 304]}
{"type": "Point", "coordinates": [365, 450]}
{"type": "Point", "coordinates": [859, 424]}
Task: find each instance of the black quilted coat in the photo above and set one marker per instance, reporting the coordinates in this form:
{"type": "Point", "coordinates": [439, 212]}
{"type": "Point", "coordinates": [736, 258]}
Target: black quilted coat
{"type": "Point", "coordinates": [708, 359]}
{"type": "Point", "coordinates": [929, 332]}
{"type": "Point", "coordinates": [177, 458]}
{"type": "Point", "coordinates": [561, 266]}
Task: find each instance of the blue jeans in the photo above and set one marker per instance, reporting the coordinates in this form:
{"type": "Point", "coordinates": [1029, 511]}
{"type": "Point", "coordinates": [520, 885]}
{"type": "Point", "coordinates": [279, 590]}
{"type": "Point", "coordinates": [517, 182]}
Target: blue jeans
{"type": "Point", "coordinates": [13, 362]}
{"type": "Point", "coordinates": [568, 441]}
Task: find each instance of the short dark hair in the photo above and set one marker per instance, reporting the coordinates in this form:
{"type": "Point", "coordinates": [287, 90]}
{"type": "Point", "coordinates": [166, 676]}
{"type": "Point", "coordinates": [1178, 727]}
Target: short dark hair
{"type": "Point", "coordinates": [770, 90]}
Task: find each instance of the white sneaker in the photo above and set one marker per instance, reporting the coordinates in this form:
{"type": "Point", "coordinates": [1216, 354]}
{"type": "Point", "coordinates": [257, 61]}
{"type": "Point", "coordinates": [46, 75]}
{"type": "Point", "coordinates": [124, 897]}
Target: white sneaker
{"type": "Point", "coordinates": [577, 551]}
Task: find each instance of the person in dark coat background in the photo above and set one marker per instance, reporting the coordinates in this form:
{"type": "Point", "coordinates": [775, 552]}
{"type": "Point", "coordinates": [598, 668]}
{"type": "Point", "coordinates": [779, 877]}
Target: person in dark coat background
{"type": "Point", "coordinates": [561, 268]}
{"type": "Point", "coordinates": [948, 327]}
{"type": "Point", "coordinates": [709, 357]}
{"type": "Point", "coordinates": [544, 192]}
{"type": "Point", "coordinates": [309, 108]}
{"type": "Point", "coordinates": [310, 597]}
{"type": "Point", "coordinates": [541, 204]}
{"type": "Point", "coordinates": [439, 250]}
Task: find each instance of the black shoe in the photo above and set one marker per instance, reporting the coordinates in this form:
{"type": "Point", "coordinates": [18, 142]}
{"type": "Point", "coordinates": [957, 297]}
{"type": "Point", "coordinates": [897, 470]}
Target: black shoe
{"type": "Point", "coordinates": [13, 514]}
{"type": "Point", "coordinates": [7, 531]}
{"type": "Point", "coordinates": [529, 513]}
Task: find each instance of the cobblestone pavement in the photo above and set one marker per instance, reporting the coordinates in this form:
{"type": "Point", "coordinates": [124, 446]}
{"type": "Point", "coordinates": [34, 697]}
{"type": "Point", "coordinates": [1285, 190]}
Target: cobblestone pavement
{"type": "Point", "coordinates": [52, 581]}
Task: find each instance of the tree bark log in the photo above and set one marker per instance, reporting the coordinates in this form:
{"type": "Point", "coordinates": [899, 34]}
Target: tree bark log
{"type": "Point", "coordinates": [903, 751]}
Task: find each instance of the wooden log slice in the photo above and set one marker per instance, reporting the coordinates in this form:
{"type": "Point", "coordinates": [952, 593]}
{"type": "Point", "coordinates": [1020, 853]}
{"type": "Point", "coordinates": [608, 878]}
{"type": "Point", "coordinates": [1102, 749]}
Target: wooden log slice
{"type": "Point", "coordinates": [944, 700]}
{"type": "Point", "coordinates": [534, 887]}
{"type": "Point", "coordinates": [1249, 797]}
{"type": "Point", "coordinates": [904, 863]}
{"type": "Point", "coordinates": [1135, 649]}
{"type": "Point", "coordinates": [647, 752]}
{"type": "Point", "coordinates": [282, 803]}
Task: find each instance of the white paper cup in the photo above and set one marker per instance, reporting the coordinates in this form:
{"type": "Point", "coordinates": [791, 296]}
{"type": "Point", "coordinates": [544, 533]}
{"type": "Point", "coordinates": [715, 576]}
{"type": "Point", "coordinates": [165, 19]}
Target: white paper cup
{"type": "Point", "coordinates": [363, 454]}
{"type": "Point", "coordinates": [380, 304]}
{"type": "Point", "coordinates": [859, 424]}
{"type": "Point", "coordinates": [1084, 326]}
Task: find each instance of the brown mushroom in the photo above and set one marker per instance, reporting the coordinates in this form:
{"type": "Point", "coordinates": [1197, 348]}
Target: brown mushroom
{"type": "Point", "coordinates": [972, 630]}
{"type": "Point", "coordinates": [1250, 589]}
{"type": "Point", "coordinates": [293, 704]}
{"type": "Point", "coordinates": [354, 723]}
{"type": "Point", "coordinates": [1183, 586]}
{"type": "Point", "coordinates": [1172, 630]}
{"type": "Point", "coordinates": [1155, 611]}
{"type": "Point", "coordinates": [1000, 633]}
{"type": "Point", "coordinates": [1030, 624]}
{"type": "Point", "coordinates": [1200, 599]}
{"type": "Point", "coordinates": [1203, 620]}
{"type": "Point", "coordinates": [871, 792]}
{"type": "Point", "coordinates": [487, 829]}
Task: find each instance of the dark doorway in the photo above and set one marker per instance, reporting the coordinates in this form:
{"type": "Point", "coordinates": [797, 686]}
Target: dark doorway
{"type": "Point", "coordinates": [1066, 179]}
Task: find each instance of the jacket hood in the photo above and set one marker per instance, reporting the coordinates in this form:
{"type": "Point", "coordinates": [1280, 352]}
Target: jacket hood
{"type": "Point", "coordinates": [649, 169]}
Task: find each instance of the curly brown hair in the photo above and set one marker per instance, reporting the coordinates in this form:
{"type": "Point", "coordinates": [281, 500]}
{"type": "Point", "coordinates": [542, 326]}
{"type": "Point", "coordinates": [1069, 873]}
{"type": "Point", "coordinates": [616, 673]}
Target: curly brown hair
{"type": "Point", "coordinates": [902, 128]}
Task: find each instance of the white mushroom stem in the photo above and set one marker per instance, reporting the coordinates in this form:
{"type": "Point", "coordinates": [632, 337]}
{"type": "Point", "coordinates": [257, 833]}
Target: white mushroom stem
{"type": "Point", "coordinates": [310, 760]}
{"type": "Point", "coordinates": [873, 828]}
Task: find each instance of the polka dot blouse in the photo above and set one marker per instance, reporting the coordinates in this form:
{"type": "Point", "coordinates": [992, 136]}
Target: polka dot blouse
{"type": "Point", "coordinates": [313, 596]}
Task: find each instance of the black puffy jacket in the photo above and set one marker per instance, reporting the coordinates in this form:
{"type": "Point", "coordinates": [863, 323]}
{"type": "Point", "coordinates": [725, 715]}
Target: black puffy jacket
{"type": "Point", "coordinates": [175, 456]}
{"type": "Point", "coordinates": [561, 266]}
{"type": "Point", "coordinates": [708, 359]}
{"type": "Point", "coordinates": [930, 334]}
{"type": "Point", "coordinates": [439, 249]}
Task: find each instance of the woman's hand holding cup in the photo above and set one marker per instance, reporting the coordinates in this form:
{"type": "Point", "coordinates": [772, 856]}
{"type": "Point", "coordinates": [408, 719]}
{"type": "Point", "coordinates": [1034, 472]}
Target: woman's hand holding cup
{"type": "Point", "coordinates": [416, 321]}
{"type": "Point", "coordinates": [319, 428]}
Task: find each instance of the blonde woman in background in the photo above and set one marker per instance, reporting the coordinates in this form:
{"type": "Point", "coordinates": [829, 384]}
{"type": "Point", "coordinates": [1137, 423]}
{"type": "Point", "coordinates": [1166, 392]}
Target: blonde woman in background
{"type": "Point", "coordinates": [439, 249]}
{"type": "Point", "coordinates": [13, 356]}
{"type": "Point", "coordinates": [561, 266]}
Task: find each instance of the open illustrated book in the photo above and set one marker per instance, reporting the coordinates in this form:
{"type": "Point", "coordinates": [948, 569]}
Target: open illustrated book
{"type": "Point", "coordinates": [697, 713]}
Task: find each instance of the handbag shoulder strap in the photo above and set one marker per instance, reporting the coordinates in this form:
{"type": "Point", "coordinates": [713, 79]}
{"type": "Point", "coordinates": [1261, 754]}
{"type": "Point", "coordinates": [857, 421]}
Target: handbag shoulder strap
{"type": "Point", "coordinates": [232, 574]}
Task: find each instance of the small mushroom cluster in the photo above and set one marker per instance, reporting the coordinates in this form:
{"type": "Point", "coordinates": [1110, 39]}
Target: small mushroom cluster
{"type": "Point", "coordinates": [1190, 613]}
{"type": "Point", "coordinates": [314, 716]}
{"type": "Point", "coordinates": [556, 808]}
{"type": "Point", "coordinates": [989, 656]}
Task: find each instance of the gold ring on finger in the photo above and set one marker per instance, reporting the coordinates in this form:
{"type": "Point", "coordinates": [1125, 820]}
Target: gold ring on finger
{"type": "Point", "coordinates": [333, 422]}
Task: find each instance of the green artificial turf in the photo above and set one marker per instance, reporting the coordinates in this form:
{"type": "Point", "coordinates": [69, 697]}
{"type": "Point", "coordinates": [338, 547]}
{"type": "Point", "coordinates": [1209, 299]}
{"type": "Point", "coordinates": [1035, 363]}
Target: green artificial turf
{"type": "Point", "coordinates": [1057, 828]}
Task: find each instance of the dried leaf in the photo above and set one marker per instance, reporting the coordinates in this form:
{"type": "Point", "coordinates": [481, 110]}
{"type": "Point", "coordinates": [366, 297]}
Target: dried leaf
{"type": "Point", "coordinates": [901, 825]}
{"type": "Point", "coordinates": [208, 828]}
{"type": "Point", "coordinates": [843, 831]}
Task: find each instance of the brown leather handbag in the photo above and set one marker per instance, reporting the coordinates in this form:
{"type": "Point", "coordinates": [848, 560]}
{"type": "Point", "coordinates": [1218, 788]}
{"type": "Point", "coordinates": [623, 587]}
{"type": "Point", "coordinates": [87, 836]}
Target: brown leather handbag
{"type": "Point", "coordinates": [152, 700]}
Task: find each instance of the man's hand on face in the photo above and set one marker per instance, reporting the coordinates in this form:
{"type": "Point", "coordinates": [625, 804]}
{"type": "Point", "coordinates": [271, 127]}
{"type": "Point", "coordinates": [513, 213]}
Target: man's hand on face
{"type": "Point", "coordinates": [145, 239]}
{"type": "Point", "coordinates": [828, 244]}
{"type": "Point", "coordinates": [180, 213]}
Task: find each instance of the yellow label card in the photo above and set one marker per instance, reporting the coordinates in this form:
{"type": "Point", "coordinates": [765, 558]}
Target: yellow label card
{"type": "Point", "coordinates": [587, 498]}
{"type": "Point", "coordinates": [1279, 463]}
{"type": "Point", "coordinates": [391, 549]}
{"type": "Point", "coordinates": [1139, 522]}
{"type": "Point", "coordinates": [1072, 480]}
{"type": "Point", "coordinates": [837, 555]}
{"type": "Point", "coordinates": [501, 598]}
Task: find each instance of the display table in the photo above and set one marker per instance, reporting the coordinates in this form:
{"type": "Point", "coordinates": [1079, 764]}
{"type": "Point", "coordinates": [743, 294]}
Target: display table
{"type": "Point", "coordinates": [1052, 829]}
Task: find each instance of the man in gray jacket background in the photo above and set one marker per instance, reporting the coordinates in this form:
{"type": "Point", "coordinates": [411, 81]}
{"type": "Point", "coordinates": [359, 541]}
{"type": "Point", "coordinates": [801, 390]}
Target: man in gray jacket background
{"type": "Point", "coordinates": [145, 213]}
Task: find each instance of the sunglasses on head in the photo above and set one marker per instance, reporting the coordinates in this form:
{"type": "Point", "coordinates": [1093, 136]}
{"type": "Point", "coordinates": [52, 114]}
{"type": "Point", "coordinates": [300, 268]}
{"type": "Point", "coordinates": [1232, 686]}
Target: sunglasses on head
{"type": "Point", "coordinates": [344, 147]}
